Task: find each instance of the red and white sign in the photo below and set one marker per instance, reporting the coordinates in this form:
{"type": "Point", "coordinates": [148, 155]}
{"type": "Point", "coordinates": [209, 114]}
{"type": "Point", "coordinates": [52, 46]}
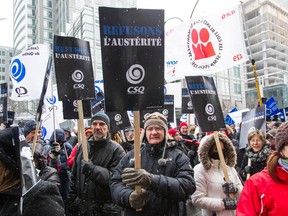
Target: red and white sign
{"type": "Point", "coordinates": [205, 45]}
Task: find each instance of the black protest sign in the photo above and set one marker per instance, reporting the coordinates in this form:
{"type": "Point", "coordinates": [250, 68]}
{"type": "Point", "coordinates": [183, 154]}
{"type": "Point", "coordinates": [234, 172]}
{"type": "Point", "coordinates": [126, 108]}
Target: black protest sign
{"type": "Point", "coordinates": [118, 121]}
{"type": "Point", "coordinates": [132, 46]}
{"type": "Point", "coordinates": [3, 102]}
{"type": "Point", "coordinates": [167, 111]}
{"type": "Point", "coordinates": [73, 69]}
{"type": "Point", "coordinates": [252, 120]}
{"type": "Point", "coordinates": [98, 103]}
{"type": "Point", "coordinates": [70, 109]}
{"type": "Point", "coordinates": [187, 106]}
{"type": "Point", "coordinates": [206, 103]}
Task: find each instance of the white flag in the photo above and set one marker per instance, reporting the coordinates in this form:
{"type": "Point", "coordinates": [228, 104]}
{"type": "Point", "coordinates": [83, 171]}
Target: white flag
{"type": "Point", "coordinates": [48, 125]}
{"type": "Point", "coordinates": [27, 72]}
{"type": "Point", "coordinates": [52, 103]}
{"type": "Point", "coordinates": [205, 45]}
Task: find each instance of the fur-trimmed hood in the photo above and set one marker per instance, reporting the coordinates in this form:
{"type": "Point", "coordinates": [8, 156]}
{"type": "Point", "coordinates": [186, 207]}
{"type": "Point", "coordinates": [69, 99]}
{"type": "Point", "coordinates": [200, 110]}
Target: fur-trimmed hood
{"type": "Point", "coordinates": [205, 145]}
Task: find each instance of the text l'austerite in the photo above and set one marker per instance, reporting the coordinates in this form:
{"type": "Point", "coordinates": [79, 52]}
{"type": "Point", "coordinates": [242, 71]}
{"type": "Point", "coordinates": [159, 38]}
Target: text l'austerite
{"type": "Point", "coordinates": [132, 35]}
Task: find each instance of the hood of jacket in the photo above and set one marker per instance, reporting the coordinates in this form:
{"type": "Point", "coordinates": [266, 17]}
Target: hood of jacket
{"type": "Point", "coordinates": [205, 145]}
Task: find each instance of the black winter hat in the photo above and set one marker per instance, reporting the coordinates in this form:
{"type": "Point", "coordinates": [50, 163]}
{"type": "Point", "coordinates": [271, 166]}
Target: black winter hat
{"type": "Point", "coordinates": [29, 126]}
{"type": "Point", "coordinates": [60, 136]}
{"type": "Point", "coordinates": [101, 116]}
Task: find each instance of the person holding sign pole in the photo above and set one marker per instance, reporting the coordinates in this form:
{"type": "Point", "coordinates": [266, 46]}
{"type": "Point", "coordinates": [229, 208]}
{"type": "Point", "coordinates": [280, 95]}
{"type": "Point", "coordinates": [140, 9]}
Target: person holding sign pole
{"type": "Point", "coordinates": [265, 193]}
{"type": "Point", "coordinates": [190, 142]}
{"type": "Point", "coordinates": [213, 195]}
{"type": "Point", "coordinates": [166, 176]}
{"type": "Point", "coordinates": [257, 152]}
{"type": "Point", "coordinates": [90, 193]}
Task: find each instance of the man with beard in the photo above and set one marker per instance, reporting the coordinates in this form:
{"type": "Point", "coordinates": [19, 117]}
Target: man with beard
{"type": "Point", "coordinates": [90, 193]}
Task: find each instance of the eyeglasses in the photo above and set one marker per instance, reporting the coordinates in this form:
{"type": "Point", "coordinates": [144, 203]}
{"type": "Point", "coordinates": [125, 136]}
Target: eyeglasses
{"type": "Point", "coordinates": [157, 129]}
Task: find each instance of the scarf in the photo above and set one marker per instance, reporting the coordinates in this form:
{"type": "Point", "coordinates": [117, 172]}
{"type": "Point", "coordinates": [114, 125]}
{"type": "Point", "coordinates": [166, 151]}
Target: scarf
{"type": "Point", "coordinates": [284, 163]}
{"type": "Point", "coordinates": [259, 156]}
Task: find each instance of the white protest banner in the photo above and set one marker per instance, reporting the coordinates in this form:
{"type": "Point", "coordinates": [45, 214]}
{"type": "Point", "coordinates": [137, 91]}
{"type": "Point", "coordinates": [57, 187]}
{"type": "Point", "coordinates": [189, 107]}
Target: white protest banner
{"type": "Point", "coordinates": [27, 72]}
{"type": "Point", "coordinates": [206, 45]}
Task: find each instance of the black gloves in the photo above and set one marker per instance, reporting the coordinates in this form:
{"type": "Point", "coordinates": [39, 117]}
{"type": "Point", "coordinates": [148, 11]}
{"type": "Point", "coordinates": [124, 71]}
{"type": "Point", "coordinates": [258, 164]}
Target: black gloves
{"type": "Point", "coordinates": [191, 153]}
{"type": "Point", "coordinates": [230, 188]}
{"type": "Point", "coordinates": [137, 200]}
{"type": "Point", "coordinates": [230, 203]}
{"type": "Point", "coordinates": [87, 167]}
{"type": "Point", "coordinates": [132, 177]}
{"type": "Point", "coordinates": [248, 169]}
{"type": "Point", "coordinates": [55, 148]}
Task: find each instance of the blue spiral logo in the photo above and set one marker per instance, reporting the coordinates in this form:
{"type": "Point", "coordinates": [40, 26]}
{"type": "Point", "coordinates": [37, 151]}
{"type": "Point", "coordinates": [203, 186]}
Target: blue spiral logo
{"type": "Point", "coordinates": [17, 70]}
{"type": "Point", "coordinates": [51, 100]}
{"type": "Point", "coordinates": [44, 132]}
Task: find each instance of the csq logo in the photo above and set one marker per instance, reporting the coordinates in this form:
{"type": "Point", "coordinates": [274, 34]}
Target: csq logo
{"type": "Point", "coordinates": [135, 75]}
{"type": "Point", "coordinates": [78, 77]}
{"type": "Point", "coordinates": [75, 104]}
{"type": "Point", "coordinates": [17, 70]}
{"type": "Point", "coordinates": [118, 119]}
{"type": "Point", "coordinates": [209, 109]}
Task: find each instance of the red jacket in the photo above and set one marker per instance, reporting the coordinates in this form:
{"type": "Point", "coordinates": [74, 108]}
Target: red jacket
{"type": "Point", "coordinates": [70, 160]}
{"type": "Point", "coordinates": [262, 195]}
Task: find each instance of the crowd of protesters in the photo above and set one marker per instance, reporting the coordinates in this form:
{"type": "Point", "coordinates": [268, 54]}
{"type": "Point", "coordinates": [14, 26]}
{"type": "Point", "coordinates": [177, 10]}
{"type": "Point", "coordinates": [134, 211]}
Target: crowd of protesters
{"type": "Point", "coordinates": [178, 165]}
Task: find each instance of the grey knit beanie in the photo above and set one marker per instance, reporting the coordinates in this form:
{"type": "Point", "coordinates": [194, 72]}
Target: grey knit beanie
{"type": "Point", "coordinates": [29, 126]}
{"type": "Point", "coordinates": [101, 116]}
{"type": "Point", "coordinates": [281, 136]}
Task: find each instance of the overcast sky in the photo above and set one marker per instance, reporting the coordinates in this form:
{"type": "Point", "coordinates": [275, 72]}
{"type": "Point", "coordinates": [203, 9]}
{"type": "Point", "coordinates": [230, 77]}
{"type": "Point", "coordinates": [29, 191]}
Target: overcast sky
{"type": "Point", "coordinates": [6, 25]}
{"type": "Point", "coordinates": [180, 8]}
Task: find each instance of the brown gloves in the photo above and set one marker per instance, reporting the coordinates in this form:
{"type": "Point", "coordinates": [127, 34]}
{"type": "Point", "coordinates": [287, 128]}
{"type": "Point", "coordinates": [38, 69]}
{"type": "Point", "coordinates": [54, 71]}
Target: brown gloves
{"type": "Point", "coordinates": [132, 177]}
{"type": "Point", "coordinates": [137, 200]}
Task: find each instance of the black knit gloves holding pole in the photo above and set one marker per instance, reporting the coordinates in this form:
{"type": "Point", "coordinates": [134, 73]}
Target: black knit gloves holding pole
{"type": "Point", "coordinates": [229, 188]}
{"type": "Point", "coordinates": [87, 167]}
{"type": "Point", "coordinates": [132, 177]}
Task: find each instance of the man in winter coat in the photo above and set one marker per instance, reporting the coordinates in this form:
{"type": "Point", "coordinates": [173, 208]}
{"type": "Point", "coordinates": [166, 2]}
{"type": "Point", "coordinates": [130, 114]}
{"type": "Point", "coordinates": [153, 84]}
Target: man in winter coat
{"type": "Point", "coordinates": [166, 176]}
{"type": "Point", "coordinates": [90, 193]}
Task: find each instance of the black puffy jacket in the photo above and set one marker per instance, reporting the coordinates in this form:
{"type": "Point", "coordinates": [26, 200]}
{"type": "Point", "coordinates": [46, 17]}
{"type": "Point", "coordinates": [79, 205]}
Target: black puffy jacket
{"type": "Point", "coordinates": [171, 183]}
{"type": "Point", "coordinates": [93, 193]}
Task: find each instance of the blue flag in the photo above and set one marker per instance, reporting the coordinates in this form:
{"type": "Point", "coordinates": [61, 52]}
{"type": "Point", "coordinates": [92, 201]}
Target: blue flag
{"type": "Point", "coordinates": [228, 120]}
{"type": "Point", "coordinates": [271, 107]}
